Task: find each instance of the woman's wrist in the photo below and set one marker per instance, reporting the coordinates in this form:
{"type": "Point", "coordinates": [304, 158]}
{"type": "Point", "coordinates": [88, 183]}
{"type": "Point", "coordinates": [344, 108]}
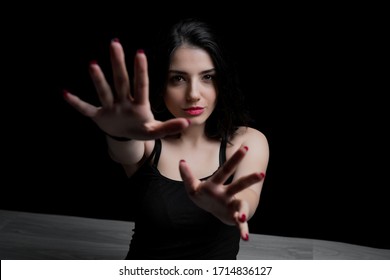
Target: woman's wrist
{"type": "Point", "coordinates": [118, 138]}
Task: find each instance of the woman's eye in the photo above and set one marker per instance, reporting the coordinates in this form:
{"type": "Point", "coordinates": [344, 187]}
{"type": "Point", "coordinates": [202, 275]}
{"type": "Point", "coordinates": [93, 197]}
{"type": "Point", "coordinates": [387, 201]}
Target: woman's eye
{"type": "Point", "coordinates": [177, 79]}
{"type": "Point", "coordinates": [208, 77]}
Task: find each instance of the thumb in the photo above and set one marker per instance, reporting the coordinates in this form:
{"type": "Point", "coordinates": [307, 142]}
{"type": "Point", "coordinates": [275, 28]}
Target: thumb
{"type": "Point", "coordinates": [190, 182]}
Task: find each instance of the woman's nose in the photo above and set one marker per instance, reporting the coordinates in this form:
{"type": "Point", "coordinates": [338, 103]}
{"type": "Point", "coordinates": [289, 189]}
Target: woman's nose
{"type": "Point", "coordinates": [193, 93]}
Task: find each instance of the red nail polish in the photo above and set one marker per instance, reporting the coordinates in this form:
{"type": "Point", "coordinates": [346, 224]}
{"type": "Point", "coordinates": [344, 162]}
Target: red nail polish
{"type": "Point", "coordinates": [262, 175]}
{"type": "Point", "coordinates": [243, 218]}
{"type": "Point", "coordinates": [246, 237]}
{"type": "Point", "coordinates": [246, 148]}
{"type": "Point", "coordinates": [140, 51]}
{"type": "Point", "coordinates": [182, 161]}
{"type": "Point", "coordinates": [115, 40]}
{"type": "Point", "coordinates": [65, 93]}
{"type": "Point", "coordinates": [93, 62]}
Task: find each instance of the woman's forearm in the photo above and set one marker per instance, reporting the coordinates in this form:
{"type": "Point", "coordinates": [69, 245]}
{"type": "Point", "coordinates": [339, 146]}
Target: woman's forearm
{"type": "Point", "coordinates": [252, 198]}
{"type": "Point", "coordinates": [125, 152]}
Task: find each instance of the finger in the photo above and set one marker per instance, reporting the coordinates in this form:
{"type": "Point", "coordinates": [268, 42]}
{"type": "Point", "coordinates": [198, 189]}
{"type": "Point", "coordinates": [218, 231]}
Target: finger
{"type": "Point", "coordinates": [141, 78]}
{"type": "Point", "coordinates": [242, 211]}
{"type": "Point", "coordinates": [190, 182]}
{"type": "Point", "coordinates": [241, 218]}
{"type": "Point", "coordinates": [244, 231]}
{"type": "Point", "coordinates": [229, 166]}
{"type": "Point", "coordinates": [169, 127]}
{"type": "Point", "coordinates": [83, 107]}
{"type": "Point", "coordinates": [102, 87]}
{"type": "Point", "coordinates": [120, 75]}
{"type": "Point", "coordinates": [243, 183]}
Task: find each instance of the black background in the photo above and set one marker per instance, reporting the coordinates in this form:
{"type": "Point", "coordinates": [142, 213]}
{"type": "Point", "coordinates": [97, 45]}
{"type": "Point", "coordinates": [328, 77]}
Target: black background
{"type": "Point", "coordinates": [313, 78]}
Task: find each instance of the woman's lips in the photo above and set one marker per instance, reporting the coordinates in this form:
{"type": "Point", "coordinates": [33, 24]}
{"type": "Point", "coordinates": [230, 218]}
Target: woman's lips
{"type": "Point", "coordinates": [194, 111]}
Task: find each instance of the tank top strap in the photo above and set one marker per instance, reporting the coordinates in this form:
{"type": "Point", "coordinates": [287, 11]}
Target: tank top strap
{"type": "Point", "coordinates": [156, 152]}
{"type": "Point", "coordinates": [222, 152]}
{"type": "Point", "coordinates": [222, 159]}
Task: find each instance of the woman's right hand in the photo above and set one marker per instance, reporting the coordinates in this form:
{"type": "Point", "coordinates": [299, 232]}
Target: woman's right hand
{"type": "Point", "coordinates": [125, 114]}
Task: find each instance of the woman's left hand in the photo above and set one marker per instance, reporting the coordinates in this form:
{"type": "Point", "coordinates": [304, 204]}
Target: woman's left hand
{"type": "Point", "coordinates": [219, 199]}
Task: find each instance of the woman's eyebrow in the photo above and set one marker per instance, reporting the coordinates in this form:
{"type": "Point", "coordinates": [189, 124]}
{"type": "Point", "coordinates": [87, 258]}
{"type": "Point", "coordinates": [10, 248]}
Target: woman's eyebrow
{"type": "Point", "coordinates": [212, 70]}
{"type": "Point", "coordinates": [173, 71]}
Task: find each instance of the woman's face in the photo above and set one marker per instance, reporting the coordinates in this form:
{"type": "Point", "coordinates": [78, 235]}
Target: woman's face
{"type": "Point", "coordinates": [191, 89]}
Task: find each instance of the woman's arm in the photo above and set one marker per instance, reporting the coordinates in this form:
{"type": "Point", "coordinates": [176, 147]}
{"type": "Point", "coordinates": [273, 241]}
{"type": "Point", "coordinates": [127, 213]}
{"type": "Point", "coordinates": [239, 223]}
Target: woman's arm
{"type": "Point", "coordinates": [123, 113]}
{"type": "Point", "coordinates": [255, 161]}
{"type": "Point", "coordinates": [236, 202]}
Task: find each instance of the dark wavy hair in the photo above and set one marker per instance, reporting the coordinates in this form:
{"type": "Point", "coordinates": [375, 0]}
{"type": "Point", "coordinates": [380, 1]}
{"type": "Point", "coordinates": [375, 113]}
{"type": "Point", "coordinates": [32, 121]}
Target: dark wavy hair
{"type": "Point", "coordinates": [230, 111]}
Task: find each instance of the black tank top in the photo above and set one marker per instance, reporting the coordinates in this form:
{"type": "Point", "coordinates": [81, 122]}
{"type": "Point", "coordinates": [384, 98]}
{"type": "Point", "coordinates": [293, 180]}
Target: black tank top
{"type": "Point", "coordinates": [168, 225]}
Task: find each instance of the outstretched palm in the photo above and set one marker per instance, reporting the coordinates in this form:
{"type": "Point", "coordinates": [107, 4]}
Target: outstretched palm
{"type": "Point", "coordinates": [219, 199]}
{"type": "Point", "coordinates": [123, 113]}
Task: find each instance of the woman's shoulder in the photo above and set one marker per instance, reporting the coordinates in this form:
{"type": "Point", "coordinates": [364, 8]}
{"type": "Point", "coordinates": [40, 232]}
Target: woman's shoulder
{"type": "Point", "coordinates": [245, 134]}
{"type": "Point", "coordinates": [250, 137]}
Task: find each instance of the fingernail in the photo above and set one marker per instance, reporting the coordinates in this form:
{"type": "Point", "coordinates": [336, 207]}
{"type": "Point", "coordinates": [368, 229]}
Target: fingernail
{"type": "Point", "coordinates": [189, 121]}
{"type": "Point", "coordinates": [116, 40]}
{"type": "Point", "coordinates": [182, 161]}
{"type": "Point", "coordinates": [93, 62]}
{"type": "Point", "coordinates": [262, 175]}
{"type": "Point", "coordinates": [246, 148]}
{"type": "Point", "coordinates": [65, 93]}
{"type": "Point", "coordinates": [246, 237]}
{"type": "Point", "coordinates": [140, 51]}
{"type": "Point", "coordinates": [243, 218]}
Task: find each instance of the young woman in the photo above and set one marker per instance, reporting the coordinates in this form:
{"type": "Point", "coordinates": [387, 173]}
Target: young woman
{"type": "Point", "coordinates": [195, 165]}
